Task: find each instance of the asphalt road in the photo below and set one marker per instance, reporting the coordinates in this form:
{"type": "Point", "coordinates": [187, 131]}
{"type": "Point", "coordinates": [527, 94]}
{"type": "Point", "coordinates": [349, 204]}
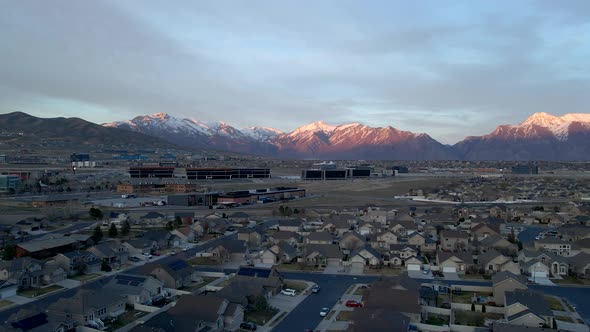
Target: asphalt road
{"type": "Point", "coordinates": [529, 233]}
{"type": "Point", "coordinates": [78, 225]}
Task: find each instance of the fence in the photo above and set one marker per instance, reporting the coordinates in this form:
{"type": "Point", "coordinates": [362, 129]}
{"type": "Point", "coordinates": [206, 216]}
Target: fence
{"type": "Point", "coordinates": [478, 308]}
{"type": "Point", "coordinates": [145, 308]}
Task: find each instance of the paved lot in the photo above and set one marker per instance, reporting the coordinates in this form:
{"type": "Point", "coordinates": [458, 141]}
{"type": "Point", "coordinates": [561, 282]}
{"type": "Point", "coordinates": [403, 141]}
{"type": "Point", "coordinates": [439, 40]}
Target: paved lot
{"type": "Point", "coordinates": [420, 275]}
{"type": "Point", "coordinates": [451, 276]}
{"type": "Point", "coordinates": [542, 281]}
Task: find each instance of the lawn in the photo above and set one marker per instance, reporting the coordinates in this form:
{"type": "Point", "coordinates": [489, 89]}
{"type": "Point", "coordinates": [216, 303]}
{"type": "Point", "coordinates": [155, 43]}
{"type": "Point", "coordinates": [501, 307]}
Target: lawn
{"type": "Point", "coordinates": [344, 316]}
{"type": "Point", "coordinates": [473, 318]}
{"type": "Point", "coordinates": [202, 261]}
{"type": "Point", "coordinates": [554, 303]}
{"type": "Point", "coordinates": [85, 277]}
{"type": "Point", "coordinates": [5, 303]}
{"type": "Point", "coordinates": [570, 280]}
{"type": "Point", "coordinates": [298, 267]}
{"type": "Point", "coordinates": [565, 319]}
{"type": "Point", "coordinates": [360, 291]}
{"type": "Point", "coordinates": [126, 318]}
{"type": "Point", "coordinates": [260, 317]}
{"type": "Point", "coordinates": [467, 297]}
{"type": "Point", "coordinates": [296, 285]}
{"type": "Point", "coordinates": [34, 292]}
{"type": "Point", "coordinates": [436, 319]}
{"type": "Point", "coordinates": [384, 271]}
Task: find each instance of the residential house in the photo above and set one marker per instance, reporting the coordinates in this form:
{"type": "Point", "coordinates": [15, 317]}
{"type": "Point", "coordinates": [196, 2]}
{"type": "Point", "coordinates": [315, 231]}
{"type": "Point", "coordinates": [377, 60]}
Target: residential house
{"type": "Point", "coordinates": [111, 253]}
{"type": "Point", "coordinates": [291, 238]}
{"type": "Point", "coordinates": [506, 281]}
{"type": "Point", "coordinates": [454, 262]}
{"type": "Point", "coordinates": [187, 217]}
{"type": "Point", "coordinates": [279, 253]}
{"type": "Point", "coordinates": [381, 320]}
{"type": "Point", "coordinates": [527, 308]}
{"type": "Point", "coordinates": [336, 226]}
{"type": "Point", "coordinates": [350, 241]}
{"type": "Point", "coordinates": [536, 269]}
{"type": "Point", "coordinates": [318, 238]}
{"type": "Point", "coordinates": [36, 321]}
{"type": "Point", "coordinates": [159, 239]}
{"type": "Point", "coordinates": [492, 261]}
{"type": "Point", "coordinates": [583, 245]}
{"type": "Point", "coordinates": [558, 246]}
{"type": "Point", "coordinates": [137, 288]}
{"type": "Point", "coordinates": [367, 228]}
{"type": "Point", "coordinates": [290, 225]}
{"type": "Point", "coordinates": [365, 256]}
{"type": "Point", "coordinates": [26, 272]}
{"type": "Point", "coordinates": [573, 233]}
{"type": "Point", "coordinates": [78, 262]}
{"type": "Point", "coordinates": [323, 255]}
{"type": "Point", "coordinates": [52, 273]}
{"type": "Point", "coordinates": [231, 251]}
{"type": "Point", "coordinates": [89, 307]}
{"type": "Point", "coordinates": [194, 313]}
{"type": "Point", "coordinates": [153, 218]}
{"type": "Point", "coordinates": [403, 225]}
{"type": "Point", "coordinates": [250, 283]}
{"type": "Point", "coordinates": [482, 230]}
{"type": "Point", "coordinates": [580, 264]}
{"type": "Point", "coordinates": [185, 235]}
{"type": "Point", "coordinates": [404, 251]}
{"type": "Point", "coordinates": [383, 239]}
{"type": "Point", "coordinates": [253, 236]}
{"type": "Point", "coordinates": [451, 240]}
{"type": "Point", "coordinates": [496, 242]}
{"type": "Point", "coordinates": [240, 217]}
{"type": "Point", "coordinates": [405, 291]}
{"type": "Point", "coordinates": [174, 274]}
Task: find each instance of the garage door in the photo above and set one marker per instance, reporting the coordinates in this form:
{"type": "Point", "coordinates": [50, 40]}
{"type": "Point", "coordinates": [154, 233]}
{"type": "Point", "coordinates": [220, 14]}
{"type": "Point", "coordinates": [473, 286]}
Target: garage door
{"type": "Point", "coordinates": [333, 262]}
{"type": "Point", "coordinates": [540, 274]}
{"type": "Point", "coordinates": [268, 261]}
{"type": "Point", "coordinates": [450, 269]}
{"type": "Point", "coordinates": [413, 267]}
{"type": "Point", "coordinates": [358, 265]}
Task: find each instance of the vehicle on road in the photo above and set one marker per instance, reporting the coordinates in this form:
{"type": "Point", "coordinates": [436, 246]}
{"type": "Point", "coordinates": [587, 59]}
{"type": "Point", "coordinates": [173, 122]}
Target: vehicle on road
{"type": "Point", "coordinates": [288, 291]}
{"type": "Point", "coordinates": [248, 326]}
{"type": "Point", "coordinates": [324, 312]}
{"type": "Point", "coordinates": [353, 304]}
{"type": "Point", "coordinates": [187, 248]}
{"type": "Point", "coordinates": [426, 271]}
{"type": "Point", "coordinates": [173, 253]}
{"type": "Point", "coordinates": [315, 289]}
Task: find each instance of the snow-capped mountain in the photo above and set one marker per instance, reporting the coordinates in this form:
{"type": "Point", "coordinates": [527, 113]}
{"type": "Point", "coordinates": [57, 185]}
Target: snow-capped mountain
{"type": "Point", "coordinates": [315, 140]}
{"type": "Point", "coordinates": [541, 136]}
{"type": "Point", "coordinates": [264, 134]}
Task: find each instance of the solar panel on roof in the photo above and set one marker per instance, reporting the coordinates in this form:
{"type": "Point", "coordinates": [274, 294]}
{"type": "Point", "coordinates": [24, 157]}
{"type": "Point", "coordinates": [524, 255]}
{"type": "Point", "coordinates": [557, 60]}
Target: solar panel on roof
{"type": "Point", "coordinates": [134, 283]}
{"type": "Point", "coordinates": [32, 322]}
{"type": "Point", "coordinates": [122, 282]}
{"type": "Point", "coordinates": [178, 265]}
{"type": "Point", "coordinates": [130, 278]}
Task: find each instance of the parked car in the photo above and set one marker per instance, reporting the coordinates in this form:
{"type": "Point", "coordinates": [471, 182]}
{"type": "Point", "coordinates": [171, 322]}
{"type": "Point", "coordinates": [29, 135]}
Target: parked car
{"type": "Point", "coordinates": [249, 326]}
{"type": "Point", "coordinates": [173, 253]}
{"type": "Point", "coordinates": [315, 289]}
{"type": "Point", "coordinates": [426, 271]}
{"type": "Point", "coordinates": [134, 259]}
{"type": "Point", "coordinates": [156, 253]}
{"type": "Point", "coordinates": [187, 248]}
{"type": "Point", "coordinates": [324, 312]}
{"type": "Point", "coordinates": [353, 304]}
{"type": "Point", "coordinates": [288, 291]}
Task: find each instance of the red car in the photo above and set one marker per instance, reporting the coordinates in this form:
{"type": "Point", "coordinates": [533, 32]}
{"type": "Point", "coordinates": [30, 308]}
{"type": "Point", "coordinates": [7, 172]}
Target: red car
{"type": "Point", "coordinates": [353, 304]}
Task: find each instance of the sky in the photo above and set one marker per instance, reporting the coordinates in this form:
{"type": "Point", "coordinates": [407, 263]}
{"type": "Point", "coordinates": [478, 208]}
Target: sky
{"type": "Point", "coordinates": [447, 68]}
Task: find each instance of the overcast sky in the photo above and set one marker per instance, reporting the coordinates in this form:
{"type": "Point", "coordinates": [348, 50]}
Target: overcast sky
{"type": "Point", "coordinates": [447, 68]}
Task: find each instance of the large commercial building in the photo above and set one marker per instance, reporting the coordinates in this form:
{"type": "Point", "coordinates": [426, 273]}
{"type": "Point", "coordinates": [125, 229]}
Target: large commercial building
{"type": "Point", "coordinates": [9, 183]}
{"type": "Point", "coordinates": [227, 173]}
{"type": "Point", "coordinates": [76, 157]}
{"type": "Point", "coordinates": [337, 173]}
{"type": "Point", "coordinates": [237, 197]}
{"type": "Point", "coordinates": [199, 173]}
{"type": "Point", "coordinates": [525, 169]}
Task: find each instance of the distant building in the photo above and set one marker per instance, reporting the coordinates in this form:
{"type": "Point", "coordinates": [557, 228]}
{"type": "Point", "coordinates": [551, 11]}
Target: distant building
{"type": "Point", "coordinates": [199, 173]}
{"type": "Point", "coordinates": [9, 183]}
{"type": "Point", "coordinates": [151, 172]}
{"type": "Point", "coordinates": [337, 173]}
{"type": "Point", "coordinates": [75, 157]}
{"type": "Point", "coordinates": [400, 169]}
{"type": "Point", "coordinates": [525, 169]}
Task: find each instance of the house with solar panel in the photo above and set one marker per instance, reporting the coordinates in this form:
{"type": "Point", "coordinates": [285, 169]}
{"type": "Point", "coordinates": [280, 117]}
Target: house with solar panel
{"type": "Point", "coordinates": [89, 307]}
{"type": "Point", "coordinates": [138, 289]}
{"type": "Point", "coordinates": [175, 274]}
{"type": "Point", "coordinates": [35, 321]}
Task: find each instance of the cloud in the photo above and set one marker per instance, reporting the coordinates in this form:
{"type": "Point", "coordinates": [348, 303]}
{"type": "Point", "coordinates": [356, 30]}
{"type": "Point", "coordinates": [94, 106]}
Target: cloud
{"type": "Point", "coordinates": [455, 71]}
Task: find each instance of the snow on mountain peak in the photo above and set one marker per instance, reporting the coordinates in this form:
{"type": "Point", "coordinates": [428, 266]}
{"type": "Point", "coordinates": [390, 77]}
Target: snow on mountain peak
{"type": "Point", "coordinates": [316, 127]}
{"type": "Point", "coordinates": [541, 119]}
{"type": "Point", "coordinates": [558, 125]}
{"type": "Point", "coordinates": [160, 115]}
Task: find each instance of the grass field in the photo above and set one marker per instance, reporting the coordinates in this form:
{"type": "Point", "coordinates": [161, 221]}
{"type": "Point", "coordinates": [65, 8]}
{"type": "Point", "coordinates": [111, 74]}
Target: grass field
{"type": "Point", "coordinates": [260, 317]}
{"type": "Point", "coordinates": [344, 316]}
{"type": "Point", "coordinates": [554, 303]}
{"type": "Point", "coordinates": [5, 303]}
{"type": "Point", "coordinates": [472, 318]}
{"type": "Point", "coordinates": [35, 292]}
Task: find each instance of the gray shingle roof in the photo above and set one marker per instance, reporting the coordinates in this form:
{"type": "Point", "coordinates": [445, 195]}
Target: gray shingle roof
{"type": "Point", "coordinates": [534, 301]}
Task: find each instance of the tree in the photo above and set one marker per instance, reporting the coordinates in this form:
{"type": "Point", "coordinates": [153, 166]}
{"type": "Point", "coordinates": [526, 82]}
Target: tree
{"type": "Point", "coordinates": [95, 213]}
{"type": "Point", "coordinates": [9, 253]}
{"type": "Point", "coordinates": [113, 232]}
{"type": "Point", "coordinates": [97, 234]}
{"type": "Point", "coordinates": [125, 228]}
{"type": "Point", "coordinates": [483, 308]}
{"type": "Point", "coordinates": [177, 222]}
{"type": "Point", "coordinates": [169, 226]}
{"type": "Point", "coordinates": [472, 306]}
{"type": "Point", "coordinates": [260, 304]}
{"type": "Point", "coordinates": [296, 211]}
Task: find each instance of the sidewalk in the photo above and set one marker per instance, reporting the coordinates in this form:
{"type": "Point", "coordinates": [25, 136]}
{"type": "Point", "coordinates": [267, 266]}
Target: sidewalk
{"type": "Point", "coordinates": [330, 322]}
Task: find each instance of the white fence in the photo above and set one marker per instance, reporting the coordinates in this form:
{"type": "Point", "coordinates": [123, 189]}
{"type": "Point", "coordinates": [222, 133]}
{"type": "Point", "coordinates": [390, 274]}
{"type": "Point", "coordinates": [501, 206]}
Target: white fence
{"type": "Point", "coordinates": [478, 308]}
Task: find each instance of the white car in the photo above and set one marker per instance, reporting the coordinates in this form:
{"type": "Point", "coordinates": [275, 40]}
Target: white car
{"type": "Point", "coordinates": [288, 291]}
{"type": "Point", "coordinates": [324, 312]}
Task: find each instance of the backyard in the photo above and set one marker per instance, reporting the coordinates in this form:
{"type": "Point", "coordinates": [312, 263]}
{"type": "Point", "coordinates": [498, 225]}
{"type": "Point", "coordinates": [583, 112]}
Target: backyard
{"type": "Point", "coordinates": [202, 261]}
{"type": "Point", "coordinates": [437, 319]}
{"type": "Point", "coordinates": [126, 318]}
{"type": "Point", "coordinates": [260, 317]}
{"type": "Point", "coordinates": [85, 277]}
{"type": "Point", "coordinates": [473, 318]}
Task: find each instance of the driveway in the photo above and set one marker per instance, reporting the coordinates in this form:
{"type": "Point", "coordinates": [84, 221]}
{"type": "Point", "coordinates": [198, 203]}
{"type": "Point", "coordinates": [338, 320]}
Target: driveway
{"type": "Point", "coordinates": [420, 275]}
{"type": "Point", "coordinates": [451, 276]}
{"type": "Point", "coordinates": [542, 281]}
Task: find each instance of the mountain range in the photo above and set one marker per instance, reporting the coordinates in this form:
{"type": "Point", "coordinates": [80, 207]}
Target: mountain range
{"type": "Point", "coordinates": [540, 137]}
